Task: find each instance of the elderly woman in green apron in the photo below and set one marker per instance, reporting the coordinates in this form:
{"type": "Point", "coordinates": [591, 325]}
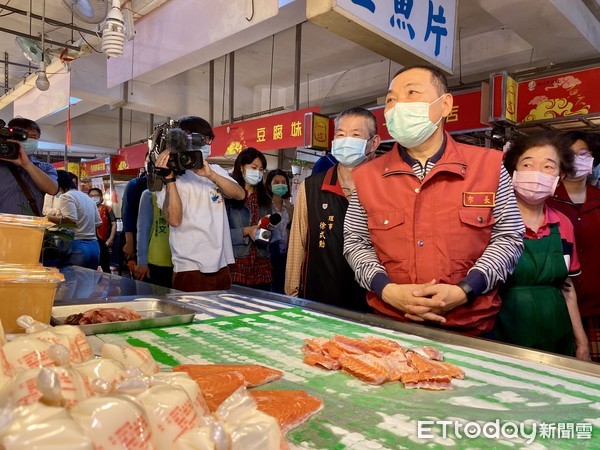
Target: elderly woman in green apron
{"type": "Point", "coordinates": [539, 304]}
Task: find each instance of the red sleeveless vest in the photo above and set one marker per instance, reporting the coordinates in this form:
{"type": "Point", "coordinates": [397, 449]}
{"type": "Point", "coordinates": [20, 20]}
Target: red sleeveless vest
{"type": "Point", "coordinates": [436, 228]}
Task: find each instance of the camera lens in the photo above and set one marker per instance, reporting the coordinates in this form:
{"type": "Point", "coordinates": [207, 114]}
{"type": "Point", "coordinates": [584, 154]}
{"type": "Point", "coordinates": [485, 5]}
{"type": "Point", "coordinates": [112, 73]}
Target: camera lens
{"type": "Point", "coordinates": [186, 160]}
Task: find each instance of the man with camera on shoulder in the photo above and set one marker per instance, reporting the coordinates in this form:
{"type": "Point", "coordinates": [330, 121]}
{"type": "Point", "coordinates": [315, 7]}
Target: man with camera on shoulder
{"type": "Point", "coordinates": [193, 205]}
{"type": "Point", "coordinates": [24, 180]}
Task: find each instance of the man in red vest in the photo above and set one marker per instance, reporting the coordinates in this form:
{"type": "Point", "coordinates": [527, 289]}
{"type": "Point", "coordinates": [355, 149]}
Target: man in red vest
{"type": "Point", "coordinates": [434, 226]}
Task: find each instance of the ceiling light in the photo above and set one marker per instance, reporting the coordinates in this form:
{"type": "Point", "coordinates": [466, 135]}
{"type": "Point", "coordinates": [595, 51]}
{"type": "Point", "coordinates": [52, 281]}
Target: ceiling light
{"type": "Point", "coordinates": [42, 82]}
{"type": "Point", "coordinates": [113, 34]}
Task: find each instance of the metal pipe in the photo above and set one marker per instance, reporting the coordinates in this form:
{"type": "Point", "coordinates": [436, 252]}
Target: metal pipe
{"type": "Point", "coordinates": [231, 84]}
{"type": "Point", "coordinates": [120, 127]}
{"type": "Point", "coordinates": [151, 130]}
{"type": "Point", "coordinates": [48, 21]}
{"type": "Point", "coordinates": [36, 38]}
{"type": "Point", "coordinates": [211, 91]}
{"type": "Point", "coordinates": [297, 63]}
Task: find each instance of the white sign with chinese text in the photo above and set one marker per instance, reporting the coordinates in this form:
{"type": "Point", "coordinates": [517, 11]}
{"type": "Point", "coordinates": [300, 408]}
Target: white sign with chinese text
{"type": "Point", "coordinates": [423, 27]}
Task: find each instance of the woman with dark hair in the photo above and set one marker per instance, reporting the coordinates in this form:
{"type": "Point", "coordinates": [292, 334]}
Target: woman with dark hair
{"type": "Point", "coordinates": [539, 304]}
{"type": "Point", "coordinates": [107, 230]}
{"type": "Point", "coordinates": [252, 265]}
{"type": "Point", "coordinates": [278, 188]}
{"type": "Point", "coordinates": [580, 202]}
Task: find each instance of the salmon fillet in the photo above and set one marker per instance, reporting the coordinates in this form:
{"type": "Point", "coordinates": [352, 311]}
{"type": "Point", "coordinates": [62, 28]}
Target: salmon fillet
{"type": "Point", "coordinates": [290, 408]}
{"type": "Point", "coordinates": [216, 387]}
{"type": "Point", "coordinates": [254, 374]}
{"type": "Point", "coordinates": [314, 359]}
{"type": "Point", "coordinates": [367, 368]}
{"type": "Point", "coordinates": [431, 381]}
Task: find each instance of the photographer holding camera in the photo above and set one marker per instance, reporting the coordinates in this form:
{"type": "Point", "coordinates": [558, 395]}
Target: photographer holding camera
{"type": "Point", "coordinates": [24, 180]}
{"type": "Point", "coordinates": [193, 205]}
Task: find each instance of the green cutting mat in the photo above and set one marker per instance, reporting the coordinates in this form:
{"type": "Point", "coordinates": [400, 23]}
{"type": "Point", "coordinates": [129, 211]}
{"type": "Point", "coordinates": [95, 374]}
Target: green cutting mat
{"type": "Point", "coordinates": [564, 405]}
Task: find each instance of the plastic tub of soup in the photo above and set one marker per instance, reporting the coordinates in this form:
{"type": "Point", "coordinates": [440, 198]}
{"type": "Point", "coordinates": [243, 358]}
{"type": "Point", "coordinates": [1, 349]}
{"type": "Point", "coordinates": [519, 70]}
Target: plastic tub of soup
{"type": "Point", "coordinates": [21, 238]}
{"type": "Point", "coordinates": [27, 290]}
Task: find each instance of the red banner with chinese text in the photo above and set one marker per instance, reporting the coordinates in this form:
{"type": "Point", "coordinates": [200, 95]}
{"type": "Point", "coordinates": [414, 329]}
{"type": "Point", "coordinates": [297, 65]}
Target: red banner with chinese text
{"type": "Point", "coordinates": [559, 96]}
{"type": "Point", "coordinates": [284, 130]}
{"type": "Point", "coordinates": [131, 158]}
{"type": "Point", "coordinates": [96, 168]}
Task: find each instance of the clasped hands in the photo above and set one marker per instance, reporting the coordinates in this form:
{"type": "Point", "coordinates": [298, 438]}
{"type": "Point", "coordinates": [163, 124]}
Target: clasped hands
{"type": "Point", "coordinates": [421, 302]}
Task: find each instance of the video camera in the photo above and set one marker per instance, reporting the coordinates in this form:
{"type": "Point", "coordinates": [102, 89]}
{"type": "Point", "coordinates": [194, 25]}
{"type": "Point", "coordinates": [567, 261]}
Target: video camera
{"type": "Point", "coordinates": [185, 151]}
{"type": "Point", "coordinates": [10, 150]}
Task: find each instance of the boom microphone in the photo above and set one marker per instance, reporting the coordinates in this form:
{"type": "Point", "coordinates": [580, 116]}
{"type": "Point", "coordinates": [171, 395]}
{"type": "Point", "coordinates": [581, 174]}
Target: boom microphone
{"type": "Point", "coordinates": [178, 141]}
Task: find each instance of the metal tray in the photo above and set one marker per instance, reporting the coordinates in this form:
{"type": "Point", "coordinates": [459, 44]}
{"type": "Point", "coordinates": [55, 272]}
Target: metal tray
{"type": "Point", "coordinates": [155, 313]}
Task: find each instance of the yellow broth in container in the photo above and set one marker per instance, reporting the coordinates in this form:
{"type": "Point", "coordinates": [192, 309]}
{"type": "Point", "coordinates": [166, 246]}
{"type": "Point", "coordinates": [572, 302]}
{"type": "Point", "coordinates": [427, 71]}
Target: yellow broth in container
{"type": "Point", "coordinates": [27, 290]}
{"type": "Point", "coordinates": [21, 238]}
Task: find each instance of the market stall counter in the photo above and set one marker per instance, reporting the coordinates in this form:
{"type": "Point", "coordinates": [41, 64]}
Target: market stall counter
{"type": "Point", "coordinates": [83, 285]}
{"type": "Point", "coordinates": [509, 396]}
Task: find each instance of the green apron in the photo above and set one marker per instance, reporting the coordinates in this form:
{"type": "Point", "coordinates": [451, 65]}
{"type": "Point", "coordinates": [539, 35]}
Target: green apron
{"type": "Point", "coordinates": [534, 312]}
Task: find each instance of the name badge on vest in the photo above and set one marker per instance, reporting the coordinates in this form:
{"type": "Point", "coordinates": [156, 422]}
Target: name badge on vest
{"type": "Point", "coordinates": [324, 205]}
{"type": "Point", "coordinates": [479, 199]}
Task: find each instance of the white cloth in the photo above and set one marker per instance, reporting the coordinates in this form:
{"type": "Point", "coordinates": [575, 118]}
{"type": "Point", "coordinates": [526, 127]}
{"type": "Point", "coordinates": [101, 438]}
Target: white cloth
{"type": "Point", "coordinates": [80, 208]}
{"type": "Point", "coordinates": [202, 241]}
{"type": "Point", "coordinates": [50, 207]}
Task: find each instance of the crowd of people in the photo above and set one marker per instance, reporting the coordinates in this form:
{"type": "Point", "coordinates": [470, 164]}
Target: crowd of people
{"type": "Point", "coordinates": [494, 244]}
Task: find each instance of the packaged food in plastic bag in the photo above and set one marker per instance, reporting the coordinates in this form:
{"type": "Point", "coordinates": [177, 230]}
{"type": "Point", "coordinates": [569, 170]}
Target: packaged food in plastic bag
{"type": "Point", "coordinates": [114, 422]}
{"type": "Point", "coordinates": [184, 381]}
{"type": "Point", "coordinates": [25, 352]}
{"type": "Point", "coordinates": [131, 357]}
{"type": "Point", "coordinates": [103, 369]}
{"type": "Point", "coordinates": [38, 426]}
{"type": "Point", "coordinates": [170, 411]}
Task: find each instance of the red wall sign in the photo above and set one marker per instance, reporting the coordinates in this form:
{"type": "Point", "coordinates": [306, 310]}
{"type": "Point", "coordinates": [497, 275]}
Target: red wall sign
{"type": "Point", "coordinates": [559, 96]}
{"type": "Point", "coordinates": [96, 167]}
{"type": "Point", "coordinates": [284, 130]}
{"type": "Point", "coordinates": [131, 158]}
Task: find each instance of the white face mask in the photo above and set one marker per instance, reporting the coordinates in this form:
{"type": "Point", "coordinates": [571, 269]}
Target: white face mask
{"type": "Point", "coordinates": [30, 146]}
{"type": "Point", "coordinates": [205, 149]}
{"type": "Point", "coordinates": [253, 177]}
{"type": "Point", "coordinates": [408, 122]}
{"type": "Point", "coordinates": [349, 151]}
{"type": "Point", "coordinates": [534, 187]}
{"type": "Point", "coordinates": [583, 167]}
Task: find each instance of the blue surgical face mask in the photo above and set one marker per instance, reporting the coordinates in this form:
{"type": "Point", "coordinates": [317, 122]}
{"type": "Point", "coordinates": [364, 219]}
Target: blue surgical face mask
{"type": "Point", "coordinates": [408, 122]}
{"type": "Point", "coordinates": [279, 189]}
{"type": "Point", "coordinates": [253, 177]}
{"type": "Point", "coordinates": [30, 146]}
{"type": "Point", "coordinates": [349, 151]}
{"type": "Point", "coordinates": [205, 149]}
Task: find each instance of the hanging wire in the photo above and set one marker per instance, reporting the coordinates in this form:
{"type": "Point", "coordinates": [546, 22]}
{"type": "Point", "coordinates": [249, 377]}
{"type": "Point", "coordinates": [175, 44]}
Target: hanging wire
{"type": "Point", "coordinates": [43, 26]}
{"type": "Point", "coordinates": [251, 16]}
{"type": "Point", "coordinates": [459, 58]}
{"type": "Point", "coordinates": [8, 13]}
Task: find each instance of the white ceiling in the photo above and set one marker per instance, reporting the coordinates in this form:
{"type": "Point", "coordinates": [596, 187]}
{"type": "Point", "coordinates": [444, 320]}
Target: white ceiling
{"type": "Point", "coordinates": [514, 35]}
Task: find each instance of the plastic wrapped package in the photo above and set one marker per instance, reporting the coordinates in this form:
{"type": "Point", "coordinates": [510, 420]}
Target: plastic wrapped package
{"type": "Point", "coordinates": [131, 357]}
{"type": "Point", "coordinates": [25, 352]}
{"type": "Point", "coordinates": [103, 369]}
{"type": "Point", "coordinates": [248, 428]}
{"type": "Point", "coordinates": [210, 436]}
{"type": "Point", "coordinates": [184, 381]}
{"type": "Point", "coordinates": [114, 422]}
{"type": "Point", "coordinates": [38, 426]}
{"type": "Point", "coordinates": [170, 411]}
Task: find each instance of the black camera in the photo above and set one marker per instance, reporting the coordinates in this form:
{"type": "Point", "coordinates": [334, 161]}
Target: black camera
{"type": "Point", "coordinates": [10, 150]}
{"type": "Point", "coordinates": [185, 151]}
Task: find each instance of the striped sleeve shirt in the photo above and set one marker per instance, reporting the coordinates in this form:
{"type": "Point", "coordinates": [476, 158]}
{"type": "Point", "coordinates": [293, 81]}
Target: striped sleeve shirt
{"type": "Point", "coordinates": [494, 265]}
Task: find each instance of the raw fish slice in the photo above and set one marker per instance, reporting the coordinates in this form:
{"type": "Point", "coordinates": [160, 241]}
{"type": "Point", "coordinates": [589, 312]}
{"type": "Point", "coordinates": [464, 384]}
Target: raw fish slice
{"type": "Point", "coordinates": [333, 350]}
{"type": "Point", "coordinates": [351, 346]}
{"type": "Point", "coordinates": [367, 368]}
{"type": "Point", "coordinates": [444, 367]}
{"type": "Point", "coordinates": [431, 381]}
{"type": "Point", "coordinates": [216, 387]}
{"type": "Point", "coordinates": [290, 408]}
{"type": "Point", "coordinates": [396, 368]}
{"type": "Point", "coordinates": [314, 359]}
{"type": "Point", "coordinates": [428, 353]}
{"type": "Point", "coordinates": [316, 344]}
{"type": "Point", "coordinates": [419, 363]}
{"type": "Point", "coordinates": [381, 346]}
{"type": "Point", "coordinates": [254, 374]}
